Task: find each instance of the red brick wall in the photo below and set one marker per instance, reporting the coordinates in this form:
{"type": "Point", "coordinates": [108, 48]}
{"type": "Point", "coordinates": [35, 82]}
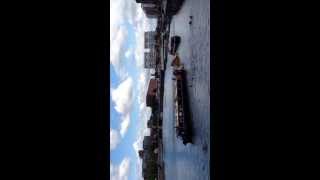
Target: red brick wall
{"type": "Point", "coordinates": [152, 87]}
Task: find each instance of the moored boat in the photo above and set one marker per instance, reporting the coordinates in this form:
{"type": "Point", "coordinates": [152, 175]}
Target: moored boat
{"type": "Point", "coordinates": [182, 119]}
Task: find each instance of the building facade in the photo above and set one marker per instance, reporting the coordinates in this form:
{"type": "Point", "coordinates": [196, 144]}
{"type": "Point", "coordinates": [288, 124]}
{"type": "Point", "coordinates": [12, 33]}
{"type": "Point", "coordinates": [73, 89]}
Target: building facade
{"type": "Point", "coordinates": [149, 159]}
{"type": "Point", "coordinates": [151, 93]}
{"type": "Point", "coordinates": [150, 60]}
{"type": "Point", "coordinates": [149, 39]}
{"type": "Point", "coordinates": [151, 13]}
{"type": "Point", "coordinates": [152, 122]}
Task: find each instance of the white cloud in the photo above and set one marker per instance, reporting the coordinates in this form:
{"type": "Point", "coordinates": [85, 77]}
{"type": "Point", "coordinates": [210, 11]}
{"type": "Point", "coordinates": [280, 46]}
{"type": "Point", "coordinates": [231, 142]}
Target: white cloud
{"type": "Point", "coordinates": [143, 117]}
{"type": "Point", "coordinates": [114, 139]}
{"type": "Point", "coordinates": [117, 41]}
{"type": "Point", "coordinates": [137, 145]}
{"type": "Point", "coordinates": [127, 11]}
{"type": "Point", "coordinates": [120, 12]}
{"type": "Point", "coordinates": [124, 168]}
{"type": "Point", "coordinates": [139, 51]}
{"type": "Point", "coordinates": [122, 96]}
{"type": "Point", "coordinates": [130, 11]}
{"type": "Point", "coordinates": [122, 73]}
{"type": "Point", "coordinates": [144, 131]}
{"type": "Point", "coordinates": [120, 172]}
{"type": "Point", "coordinates": [128, 53]}
{"type": "Point", "coordinates": [142, 24]}
{"type": "Point", "coordinates": [143, 83]}
{"type": "Point", "coordinates": [117, 16]}
{"type": "Point", "coordinates": [142, 105]}
{"type": "Point", "coordinates": [142, 78]}
{"type": "Point", "coordinates": [124, 124]}
{"type": "Point", "coordinates": [144, 111]}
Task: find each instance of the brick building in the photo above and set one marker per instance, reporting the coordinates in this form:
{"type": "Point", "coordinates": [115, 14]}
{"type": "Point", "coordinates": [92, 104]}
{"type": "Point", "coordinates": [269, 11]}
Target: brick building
{"type": "Point", "coordinates": [151, 93]}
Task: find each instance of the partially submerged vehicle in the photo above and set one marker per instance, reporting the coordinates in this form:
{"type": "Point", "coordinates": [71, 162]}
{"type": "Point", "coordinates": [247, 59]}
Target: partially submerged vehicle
{"type": "Point", "coordinates": [182, 116]}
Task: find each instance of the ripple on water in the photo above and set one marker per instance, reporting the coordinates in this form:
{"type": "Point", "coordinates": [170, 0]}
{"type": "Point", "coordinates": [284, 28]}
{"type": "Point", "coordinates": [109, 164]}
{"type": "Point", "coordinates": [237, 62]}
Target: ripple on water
{"type": "Point", "coordinates": [191, 161]}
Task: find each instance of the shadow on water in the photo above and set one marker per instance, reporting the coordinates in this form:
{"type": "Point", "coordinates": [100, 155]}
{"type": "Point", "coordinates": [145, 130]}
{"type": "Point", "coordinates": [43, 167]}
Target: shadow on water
{"type": "Point", "coordinates": [174, 7]}
{"type": "Point", "coordinates": [188, 122]}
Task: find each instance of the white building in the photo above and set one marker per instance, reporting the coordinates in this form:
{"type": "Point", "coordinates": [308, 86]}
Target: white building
{"type": "Point", "coordinates": [150, 59]}
{"type": "Point", "coordinates": [149, 39]}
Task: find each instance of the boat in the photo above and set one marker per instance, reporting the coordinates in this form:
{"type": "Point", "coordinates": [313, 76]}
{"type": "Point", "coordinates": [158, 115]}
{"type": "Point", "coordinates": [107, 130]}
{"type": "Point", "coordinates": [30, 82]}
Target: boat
{"type": "Point", "coordinates": [182, 116]}
{"type": "Point", "coordinates": [174, 44]}
{"type": "Point", "coordinates": [173, 6]}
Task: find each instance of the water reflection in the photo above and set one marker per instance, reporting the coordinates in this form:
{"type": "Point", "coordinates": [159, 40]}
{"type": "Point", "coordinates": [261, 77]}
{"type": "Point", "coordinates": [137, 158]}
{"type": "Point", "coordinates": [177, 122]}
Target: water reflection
{"type": "Point", "coordinates": [191, 161]}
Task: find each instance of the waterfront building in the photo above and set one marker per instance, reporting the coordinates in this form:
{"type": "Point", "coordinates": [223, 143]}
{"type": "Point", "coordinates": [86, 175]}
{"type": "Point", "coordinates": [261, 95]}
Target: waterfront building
{"type": "Point", "coordinates": [149, 158]}
{"type": "Point", "coordinates": [150, 43]}
{"type": "Point", "coordinates": [147, 143]}
{"type": "Point", "coordinates": [151, 93]}
{"type": "Point", "coordinates": [152, 122]}
{"type": "Point", "coordinates": [150, 60]}
{"type": "Point", "coordinates": [150, 39]}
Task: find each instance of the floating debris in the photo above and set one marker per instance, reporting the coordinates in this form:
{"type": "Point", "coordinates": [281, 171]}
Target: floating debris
{"type": "Point", "coordinates": [176, 62]}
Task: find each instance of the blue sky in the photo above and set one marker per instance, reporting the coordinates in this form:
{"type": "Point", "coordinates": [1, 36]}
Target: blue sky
{"type": "Point", "coordinates": [129, 81]}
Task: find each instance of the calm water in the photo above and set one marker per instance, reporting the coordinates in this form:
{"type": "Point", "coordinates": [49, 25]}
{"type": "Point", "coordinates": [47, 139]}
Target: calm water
{"type": "Point", "coordinates": [191, 161]}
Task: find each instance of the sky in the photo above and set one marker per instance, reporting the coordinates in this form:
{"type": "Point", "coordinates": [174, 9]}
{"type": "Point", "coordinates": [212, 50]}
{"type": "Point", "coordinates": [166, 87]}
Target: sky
{"type": "Point", "coordinates": [129, 81]}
